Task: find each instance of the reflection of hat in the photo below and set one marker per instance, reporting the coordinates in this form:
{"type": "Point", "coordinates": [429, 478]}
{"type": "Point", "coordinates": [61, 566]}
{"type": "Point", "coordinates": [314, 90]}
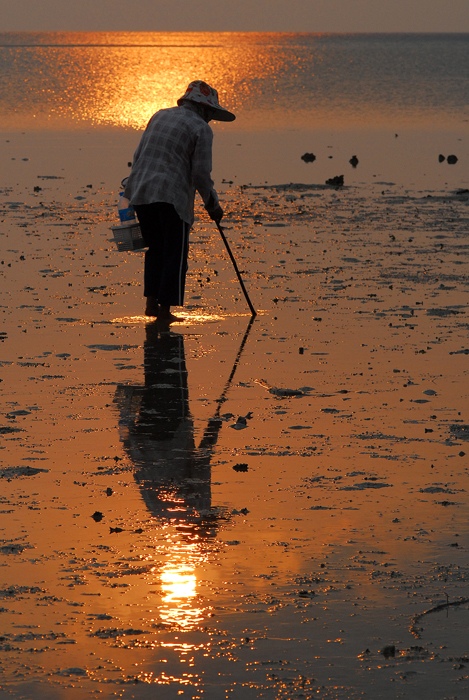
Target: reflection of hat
{"type": "Point", "coordinates": [198, 91]}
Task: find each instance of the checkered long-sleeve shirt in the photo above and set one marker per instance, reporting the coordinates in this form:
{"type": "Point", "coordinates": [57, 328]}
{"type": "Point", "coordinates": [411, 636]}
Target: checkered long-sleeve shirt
{"type": "Point", "coordinates": [174, 160]}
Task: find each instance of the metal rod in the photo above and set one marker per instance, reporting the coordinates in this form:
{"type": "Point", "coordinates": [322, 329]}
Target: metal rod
{"type": "Point", "coordinates": [238, 274]}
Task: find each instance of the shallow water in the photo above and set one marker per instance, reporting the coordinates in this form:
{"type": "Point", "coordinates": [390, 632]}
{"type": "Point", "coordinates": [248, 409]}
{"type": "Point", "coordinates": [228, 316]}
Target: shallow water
{"type": "Point", "coordinates": [266, 510]}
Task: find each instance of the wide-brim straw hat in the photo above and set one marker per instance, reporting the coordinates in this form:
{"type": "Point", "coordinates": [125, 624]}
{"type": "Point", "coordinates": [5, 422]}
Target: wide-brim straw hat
{"type": "Point", "coordinates": [201, 92]}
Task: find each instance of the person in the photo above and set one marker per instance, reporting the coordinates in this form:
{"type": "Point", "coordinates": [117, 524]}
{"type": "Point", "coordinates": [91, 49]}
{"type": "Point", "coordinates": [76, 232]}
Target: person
{"type": "Point", "coordinates": [174, 160]}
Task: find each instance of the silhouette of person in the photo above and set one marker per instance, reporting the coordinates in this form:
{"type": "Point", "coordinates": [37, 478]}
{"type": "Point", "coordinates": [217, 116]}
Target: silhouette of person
{"type": "Point", "coordinates": [174, 160]}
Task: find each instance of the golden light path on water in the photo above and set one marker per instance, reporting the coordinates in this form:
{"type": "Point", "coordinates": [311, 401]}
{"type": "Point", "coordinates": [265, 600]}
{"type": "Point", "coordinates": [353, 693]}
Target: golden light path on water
{"type": "Point", "coordinates": [124, 84]}
{"type": "Point", "coordinates": [179, 587]}
{"type": "Point", "coordinates": [180, 607]}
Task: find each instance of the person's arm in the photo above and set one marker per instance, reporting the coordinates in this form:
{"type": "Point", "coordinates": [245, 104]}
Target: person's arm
{"type": "Point", "coordinates": [201, 174]}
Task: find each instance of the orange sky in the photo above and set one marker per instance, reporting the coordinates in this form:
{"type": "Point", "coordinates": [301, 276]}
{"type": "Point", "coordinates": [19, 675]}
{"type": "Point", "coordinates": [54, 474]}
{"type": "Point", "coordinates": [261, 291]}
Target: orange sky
{"type": "Point", "coordinates": [237, 15]}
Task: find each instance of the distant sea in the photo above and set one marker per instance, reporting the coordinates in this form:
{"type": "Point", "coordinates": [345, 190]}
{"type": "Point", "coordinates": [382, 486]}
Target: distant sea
{"type": "Point", "coordinates": [307, 81]}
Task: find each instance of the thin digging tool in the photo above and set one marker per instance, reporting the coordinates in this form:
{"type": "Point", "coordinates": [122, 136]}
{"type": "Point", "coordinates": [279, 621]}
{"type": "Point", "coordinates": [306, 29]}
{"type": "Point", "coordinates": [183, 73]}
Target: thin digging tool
{"type": "Point", "coordinates": [238, 274]}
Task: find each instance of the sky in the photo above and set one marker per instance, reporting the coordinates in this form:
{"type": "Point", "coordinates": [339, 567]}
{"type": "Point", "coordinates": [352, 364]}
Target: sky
{"type": "Point", "coordinates": [236, 15]}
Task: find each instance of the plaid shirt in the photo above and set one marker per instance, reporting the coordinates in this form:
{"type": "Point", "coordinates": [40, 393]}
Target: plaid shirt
{"type": "Point", "coordinates": [172, 161]}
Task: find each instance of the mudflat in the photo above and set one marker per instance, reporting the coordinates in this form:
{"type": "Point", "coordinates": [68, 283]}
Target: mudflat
{"type": "Point", "coordinates": [267, 508]}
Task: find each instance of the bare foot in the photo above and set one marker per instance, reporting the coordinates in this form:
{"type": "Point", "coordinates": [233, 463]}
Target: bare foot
{"type": "Point", "coordinates": [152, 308]}
{"type": "Point", "coordinates": [168, 317]}
{"type": "Point", "coordinates": [165, 316]}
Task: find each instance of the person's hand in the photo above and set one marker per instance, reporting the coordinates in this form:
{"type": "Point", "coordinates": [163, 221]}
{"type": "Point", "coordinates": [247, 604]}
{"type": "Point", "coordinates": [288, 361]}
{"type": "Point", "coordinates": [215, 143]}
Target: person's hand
{"type": "Point", "coordinates": [216, 214]}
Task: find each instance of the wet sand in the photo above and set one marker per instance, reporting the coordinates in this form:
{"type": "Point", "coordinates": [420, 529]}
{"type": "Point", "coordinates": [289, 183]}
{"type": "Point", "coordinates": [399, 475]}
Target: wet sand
{"type": "Point", "coordinates": [275, 509]}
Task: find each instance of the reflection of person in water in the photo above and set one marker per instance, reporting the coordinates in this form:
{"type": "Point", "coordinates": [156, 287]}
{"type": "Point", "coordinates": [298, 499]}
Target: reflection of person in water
{"type": "Point", "coordinates": [174, 474]}
{"type": "Point", "coordinates": [158, 433]}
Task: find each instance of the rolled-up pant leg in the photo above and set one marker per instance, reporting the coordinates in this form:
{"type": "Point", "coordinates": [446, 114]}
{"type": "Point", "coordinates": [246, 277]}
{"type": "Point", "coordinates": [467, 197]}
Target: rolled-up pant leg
{"type": "Point", "coordinates": [167, 238]}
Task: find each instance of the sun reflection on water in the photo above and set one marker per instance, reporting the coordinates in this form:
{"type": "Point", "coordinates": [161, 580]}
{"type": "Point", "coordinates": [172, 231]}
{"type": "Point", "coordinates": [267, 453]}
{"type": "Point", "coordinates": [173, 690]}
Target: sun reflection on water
{"type": "Point", "coordinates": [179, 583]}
{"type": "Point", "coordinates": [179, 589]}
{"type": "Point", "coordinates": [121, 79]}
{"type": "Point", "coordinates": [180, 606]}
{"type": "Point", "coordinates": [130, 84]}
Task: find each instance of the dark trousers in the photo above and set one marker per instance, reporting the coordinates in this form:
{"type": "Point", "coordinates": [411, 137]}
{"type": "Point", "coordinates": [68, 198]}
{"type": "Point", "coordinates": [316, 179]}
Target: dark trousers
{"type": "Point", "coordinates": [167, 238]}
